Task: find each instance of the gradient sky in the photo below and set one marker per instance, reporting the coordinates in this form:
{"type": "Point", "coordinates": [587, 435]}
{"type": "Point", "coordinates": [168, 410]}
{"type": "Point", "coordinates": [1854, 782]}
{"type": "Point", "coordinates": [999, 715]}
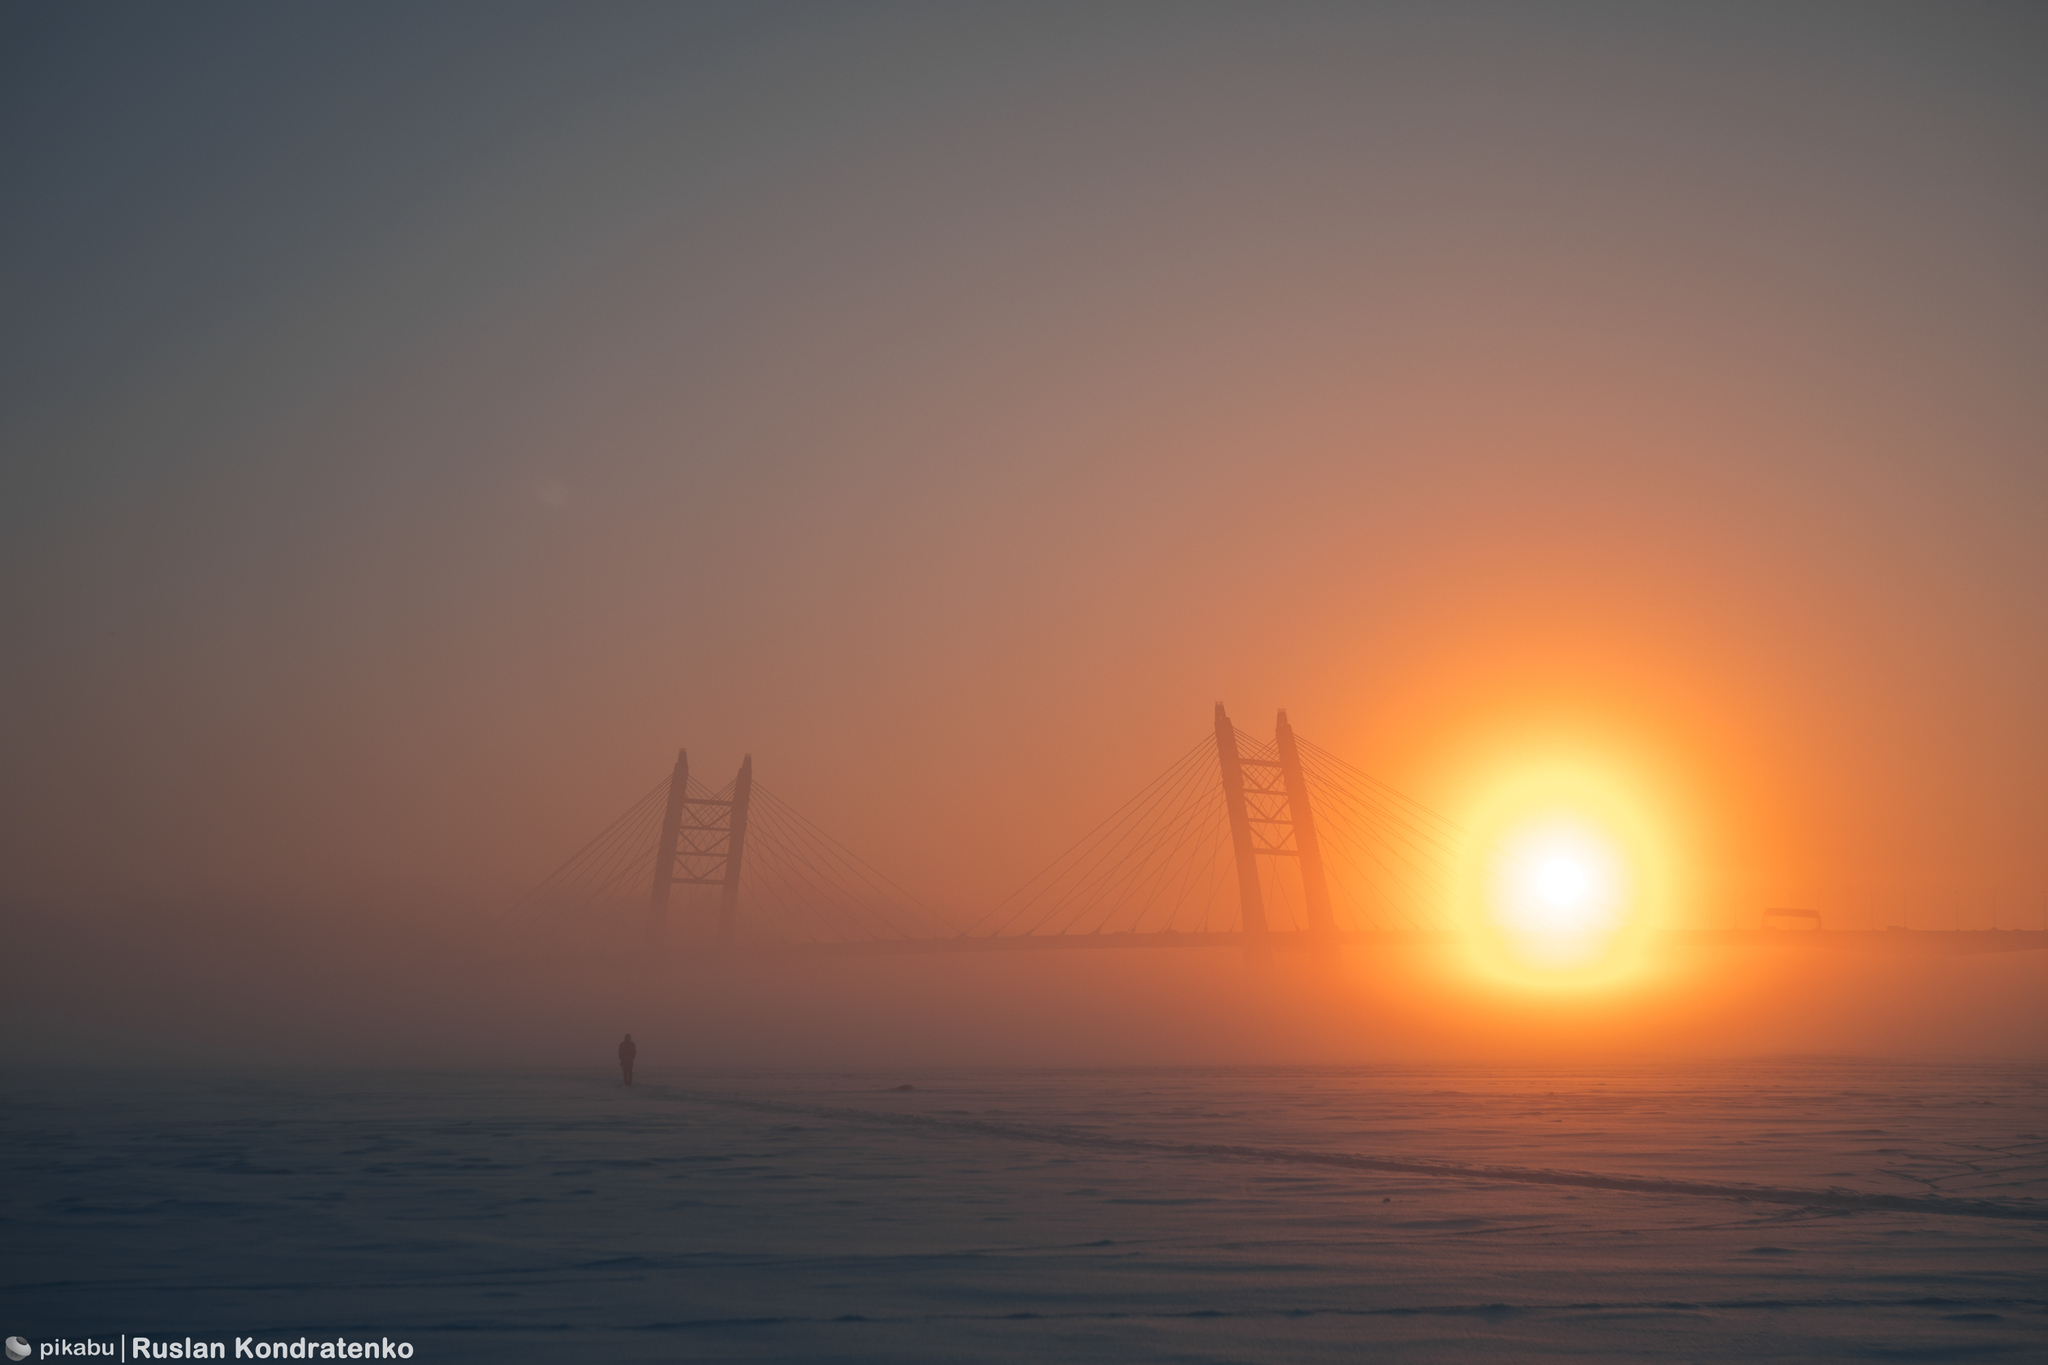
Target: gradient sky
{"type": "Point", "coordinates": [421, 419]}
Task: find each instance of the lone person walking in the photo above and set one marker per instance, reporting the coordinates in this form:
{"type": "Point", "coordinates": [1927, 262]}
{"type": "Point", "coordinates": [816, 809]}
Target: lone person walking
{"type": "Point", "coordinates": [627, 1052]}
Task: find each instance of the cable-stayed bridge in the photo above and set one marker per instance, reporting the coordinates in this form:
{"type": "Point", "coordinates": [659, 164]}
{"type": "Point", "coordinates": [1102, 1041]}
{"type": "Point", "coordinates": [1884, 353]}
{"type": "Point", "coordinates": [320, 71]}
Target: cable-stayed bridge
{"type": "Point", "coordinates": [1245, 843]}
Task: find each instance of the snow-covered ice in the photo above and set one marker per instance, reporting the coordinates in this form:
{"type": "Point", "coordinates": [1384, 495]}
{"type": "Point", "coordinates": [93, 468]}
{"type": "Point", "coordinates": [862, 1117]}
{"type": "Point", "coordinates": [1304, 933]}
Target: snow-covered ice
{"type": "Point", "coordinates": [991, 1215]}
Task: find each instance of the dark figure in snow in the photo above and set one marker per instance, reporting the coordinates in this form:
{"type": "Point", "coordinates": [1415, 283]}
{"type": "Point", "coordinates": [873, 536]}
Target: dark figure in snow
{"type": "Point", "coordinates": [627, 1052]}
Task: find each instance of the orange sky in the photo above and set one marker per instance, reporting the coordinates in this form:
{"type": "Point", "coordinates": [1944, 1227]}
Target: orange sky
{"type": "Point", "coordinates": [427, 423]}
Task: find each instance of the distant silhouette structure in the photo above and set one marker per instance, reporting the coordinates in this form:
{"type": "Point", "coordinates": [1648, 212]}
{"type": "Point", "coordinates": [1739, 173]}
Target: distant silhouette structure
{"type": "Point", "coordinates": [701, 847]}
{"type": "Point", "coordinates": [627, 1052]}
{"type": "Point", "coordinates": [1302, 852]}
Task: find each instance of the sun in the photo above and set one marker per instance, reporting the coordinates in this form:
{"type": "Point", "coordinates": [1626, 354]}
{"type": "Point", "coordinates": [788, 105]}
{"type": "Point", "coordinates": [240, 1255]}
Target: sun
{"type": "Point", "coordinates": [1562, 882]}
{"type": "Point", "coordinates": [1575, 863]}
{"type": "Point", "coordinates": [1559, 891]}
{"type": "Point", "coordinates": [1559, 896]}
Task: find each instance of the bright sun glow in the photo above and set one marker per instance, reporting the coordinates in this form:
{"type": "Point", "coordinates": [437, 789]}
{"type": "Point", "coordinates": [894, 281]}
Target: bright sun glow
{"type": "Point", "coordinates": [1561, 882]}
{"type": "Point", "coordinates": [1558, 893]}
{"type": "Point", "coordinates": [1568, 884]}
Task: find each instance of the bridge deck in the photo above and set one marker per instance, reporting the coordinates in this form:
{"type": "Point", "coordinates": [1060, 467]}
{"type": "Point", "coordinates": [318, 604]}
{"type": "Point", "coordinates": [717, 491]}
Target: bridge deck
{"type": "Point", "coordinates": [1919, 942]}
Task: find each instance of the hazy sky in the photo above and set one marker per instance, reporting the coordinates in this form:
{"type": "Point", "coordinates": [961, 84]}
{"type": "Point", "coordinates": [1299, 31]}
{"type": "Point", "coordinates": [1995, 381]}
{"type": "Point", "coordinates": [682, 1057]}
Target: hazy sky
{"type": "Point", "coordinates": [421, 419]}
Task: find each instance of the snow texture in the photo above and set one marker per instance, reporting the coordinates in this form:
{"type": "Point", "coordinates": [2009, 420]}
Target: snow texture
{"type": "Point", "coordinates": [1802, 1210]}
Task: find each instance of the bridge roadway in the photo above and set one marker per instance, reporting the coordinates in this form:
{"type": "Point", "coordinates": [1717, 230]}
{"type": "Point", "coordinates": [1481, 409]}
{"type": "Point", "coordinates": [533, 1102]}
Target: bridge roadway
{"type": "Point", "coordinates": [1916, 942]}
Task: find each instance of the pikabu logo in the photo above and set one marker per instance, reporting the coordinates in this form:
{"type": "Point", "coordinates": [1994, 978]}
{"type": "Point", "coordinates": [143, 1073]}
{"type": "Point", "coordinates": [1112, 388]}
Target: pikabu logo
{"type": "Point", "coordinates": [17, 1349]}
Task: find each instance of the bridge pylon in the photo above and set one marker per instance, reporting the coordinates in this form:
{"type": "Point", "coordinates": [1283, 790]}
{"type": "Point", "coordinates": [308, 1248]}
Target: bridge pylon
{"type": "Point", "coordinates": [1251, 900]}
{"type": "Point", "coordinates": [703, 843]}
{"type": "Point", "coordinates": [1137, 880]}
{"type": "Point", "coordinates": [1271, 818]}
{"type": "Point", "coordinates": [1315, 884]}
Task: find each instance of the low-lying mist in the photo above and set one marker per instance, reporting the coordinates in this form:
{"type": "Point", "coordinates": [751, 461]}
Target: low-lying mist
{"type": "Point", "coordinates": [283, 984]}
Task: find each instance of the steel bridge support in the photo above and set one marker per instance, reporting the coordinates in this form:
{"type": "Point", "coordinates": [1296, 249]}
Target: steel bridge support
{"type": "Point", "coordinates": [701, 859]}
{"type": "Point", "coordinates": [1250, 899]}
{"type": "Point", "coordinates": [735, 849]}
{"type": "Point", "coordinates": [1258, 804]}
{"type": "Point", "coordinates": [665, 854]}
{"type": "Point", "coordinates": [1315, 886]}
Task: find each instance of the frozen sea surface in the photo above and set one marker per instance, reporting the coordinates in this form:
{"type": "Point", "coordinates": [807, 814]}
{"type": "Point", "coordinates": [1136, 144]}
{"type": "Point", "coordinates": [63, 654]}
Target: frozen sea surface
{"type": "Point", "coordinates": [1169, 1215]}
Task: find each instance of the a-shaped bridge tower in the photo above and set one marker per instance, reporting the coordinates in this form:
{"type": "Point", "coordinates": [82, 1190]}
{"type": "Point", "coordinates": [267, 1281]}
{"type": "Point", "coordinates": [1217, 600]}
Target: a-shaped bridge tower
{"type": "Point", "coordinates": [1242, 843]}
